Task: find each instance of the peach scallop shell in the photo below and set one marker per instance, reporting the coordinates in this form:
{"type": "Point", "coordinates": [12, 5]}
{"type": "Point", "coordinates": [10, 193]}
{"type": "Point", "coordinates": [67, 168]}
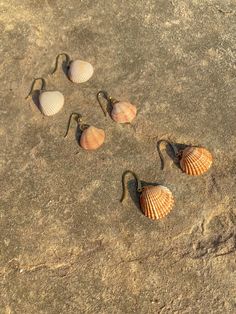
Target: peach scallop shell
{"type": "Point", "coordinates": [51, 102]}
{"type": "Point", "coordinates": [123, 112]}
{"type": "Point", "coordinates": [92, 138]}
{"type": "Point", "coordinates": [195, 160]}
{"type": "Point", "coordinates": [80, 71]}
{"type": "Point", "coordinates": [156, 201]}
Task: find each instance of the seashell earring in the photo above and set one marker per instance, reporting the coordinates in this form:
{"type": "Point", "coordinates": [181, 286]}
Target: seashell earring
{"type": "Point", "coordinates": [91, 138]}
{"type": "Point", "coordinates": [78, 71]}
{"type": "Point", "coordinates": [193, 160]}
{"type": "Point", "coordinates": [155, 201]}
{"type": "Point", "coordinates": [120, 111]}
{"type": "Point", "coordinates": [50, 102]}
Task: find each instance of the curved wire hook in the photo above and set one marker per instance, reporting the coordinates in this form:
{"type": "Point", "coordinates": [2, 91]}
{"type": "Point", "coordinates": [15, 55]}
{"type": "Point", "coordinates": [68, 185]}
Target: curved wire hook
{"type": "Point", "coordinates": [173, 147]}
{"type": "Point", "coordinates": [43, 85]}
{"type": "Point", "coordinates": [104, 94]}
{"type": "Point", "coordinates": [78, 120]}
{"type": "Point", "coordinates": [139, 185]}
{"type": "Point", "coordinates": [57, 59]}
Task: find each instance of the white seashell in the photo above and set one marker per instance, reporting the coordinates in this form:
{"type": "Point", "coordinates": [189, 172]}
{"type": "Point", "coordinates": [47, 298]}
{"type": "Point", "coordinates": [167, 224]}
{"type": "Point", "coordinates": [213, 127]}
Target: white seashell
{"type": "Point", "coordinates": [51, 102]}
{"type": "Point", "coordinates": [80, 71]}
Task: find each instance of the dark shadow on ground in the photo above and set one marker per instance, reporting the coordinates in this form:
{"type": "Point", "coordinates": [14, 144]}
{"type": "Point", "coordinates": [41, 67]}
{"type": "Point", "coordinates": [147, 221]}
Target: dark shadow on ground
{"type": "Point", "coordinates": [170, 153]}
{"type": "Point", "coordinates": [35, 98]}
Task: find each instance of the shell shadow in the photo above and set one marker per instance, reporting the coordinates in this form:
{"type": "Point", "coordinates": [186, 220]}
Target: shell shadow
{"type": "Point", "coordinates": [78, 134]}
{"type": "Point", "coordinates": [109, 109]}
{"type": "Point", "coordinates": [132, 192]}
{"type": "Point", "coordinates": [170, 153]}
{"type": "Point", "coordinates": [35, 98]}
{"type": "Point", "coordinates": [65, 68]}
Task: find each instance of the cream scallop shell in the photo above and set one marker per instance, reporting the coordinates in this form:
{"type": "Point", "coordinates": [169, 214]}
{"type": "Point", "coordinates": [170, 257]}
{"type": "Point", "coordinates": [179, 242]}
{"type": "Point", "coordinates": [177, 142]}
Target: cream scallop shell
{"type": "Point", "coordinates": [195, 160]}
{"type": "Point", "coordinates": [123, 112]}
{"type": "Point", "coordinates": [92, 138]}
{"type": "Point", "coordinates": [51, 102]}
{"type": "Point", "coordinates": [156, 201]}
{"type": "Point", "coordinates": [80, 71]}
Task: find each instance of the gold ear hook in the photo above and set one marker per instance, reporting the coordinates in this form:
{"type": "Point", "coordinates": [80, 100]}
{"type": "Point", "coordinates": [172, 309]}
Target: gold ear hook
{"type": "Point", "coordinates": [77, 118]}
{"type": "Point", "coordinates": [43, 85]}
{"type": "Point", "coordinates": [104, 94]}
{"type": "Point", "coordinates": [57, 59]}
{"type": "Point", "coordinates": [138, 182]}
{"type": "Point", "coordinates": [173, 147]}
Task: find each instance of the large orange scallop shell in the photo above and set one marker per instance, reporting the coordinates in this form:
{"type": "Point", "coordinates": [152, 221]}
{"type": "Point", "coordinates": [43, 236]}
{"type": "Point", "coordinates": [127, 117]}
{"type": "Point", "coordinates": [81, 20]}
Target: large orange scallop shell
{"type": "Point", "coordinates": [195, 160]}
{"type": "Point", "coordinates": [92, 138]}
{"type": "Point", "coordinates": [123, 112]}
{"type": "Point", "coordinates": [156, 201]}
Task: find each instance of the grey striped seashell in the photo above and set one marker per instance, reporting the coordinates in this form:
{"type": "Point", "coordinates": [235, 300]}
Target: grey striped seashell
{"type": "Point", "coordinates": [80, 71]}
{"type": "Point", "coordinates": [51, 102]}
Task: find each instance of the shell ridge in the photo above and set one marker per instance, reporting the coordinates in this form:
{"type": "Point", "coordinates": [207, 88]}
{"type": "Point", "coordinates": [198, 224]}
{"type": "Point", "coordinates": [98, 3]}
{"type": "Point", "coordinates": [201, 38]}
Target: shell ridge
{"type": "Point", "coordinates": [196, 160]}
{"type": "Point", "coordinates": [156, 201]}
{"type": "Point", "coordinates": [165, 205]}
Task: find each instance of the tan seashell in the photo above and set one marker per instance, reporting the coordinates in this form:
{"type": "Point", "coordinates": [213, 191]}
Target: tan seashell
{"type": "Point", "coordinates": [80, 71]}
{"type": "Point", "coordinates": [123, 112]}
{"type": "Point", "coordinates": [51, 102]}
{"type": "Point", "coordinates": [156, 201]}
{"type": "Point", "coordinates": [92, 138]}
{"type": "Point", "coordinates": [195, 160]}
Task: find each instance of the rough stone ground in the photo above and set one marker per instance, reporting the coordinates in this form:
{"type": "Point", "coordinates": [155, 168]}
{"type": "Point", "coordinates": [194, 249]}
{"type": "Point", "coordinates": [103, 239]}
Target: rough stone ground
{"type": "Point", "coordinates": [67, 244]}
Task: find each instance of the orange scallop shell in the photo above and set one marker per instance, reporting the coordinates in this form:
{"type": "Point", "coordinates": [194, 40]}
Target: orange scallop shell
{"type": "Point", "coordinates": [92, 138]}
{"type": "Point", "coordinates": [123, 112]}
{"type": "Point", "coordinates": [156, 201]}
{"type": "Point", "coordinates": [195, 160]}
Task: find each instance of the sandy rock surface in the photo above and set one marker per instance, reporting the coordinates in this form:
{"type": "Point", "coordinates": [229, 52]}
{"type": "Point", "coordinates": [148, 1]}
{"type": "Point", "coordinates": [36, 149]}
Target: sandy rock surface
{"type": "Point", "coordinates": [67, 245]}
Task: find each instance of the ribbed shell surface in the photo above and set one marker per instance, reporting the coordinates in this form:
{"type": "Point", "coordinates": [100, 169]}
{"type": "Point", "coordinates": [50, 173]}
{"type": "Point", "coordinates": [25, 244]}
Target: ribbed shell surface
{"type": "Point", "coordinates": [156, 201]}
{"type": "Point", "coordinates": [92, 138]}
{"type": "Point", "coordinates": [80, 71]}
{"type": "Point", "coordinates": [51, 102]}
{"type": "Point", "coordinates": [195, 160]}
{"type": "Point", "coordinates": [123, 112]}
